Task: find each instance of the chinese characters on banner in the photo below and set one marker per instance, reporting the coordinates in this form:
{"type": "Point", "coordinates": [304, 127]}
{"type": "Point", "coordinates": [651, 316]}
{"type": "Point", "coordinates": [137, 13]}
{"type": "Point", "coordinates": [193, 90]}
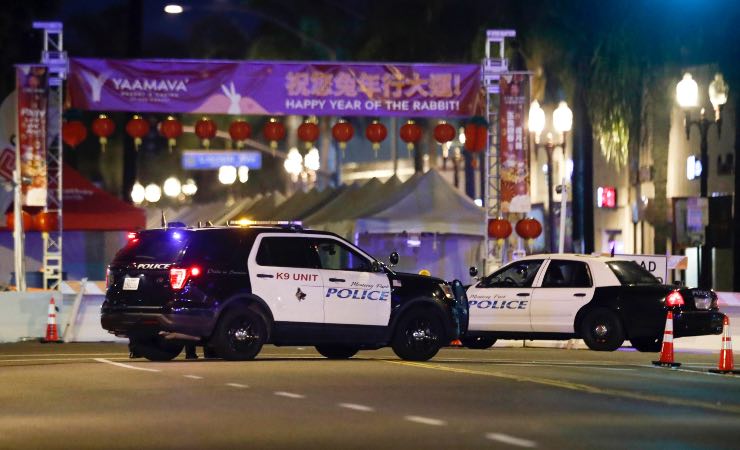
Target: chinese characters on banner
{"type": "Point", "coordinates": [31, 88]}
{"type": "Point", "coordinates": [257, 87]}
{"type": "Point", "coordinates": [514, 151]}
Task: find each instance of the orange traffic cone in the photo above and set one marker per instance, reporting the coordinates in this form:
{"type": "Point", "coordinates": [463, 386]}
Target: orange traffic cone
{"type": "Point", "coordinates": [666, 353]}
{"type": "Point", "coordinates": [726, 363]}
{"type": "Point", "coordinates": [52, 334]}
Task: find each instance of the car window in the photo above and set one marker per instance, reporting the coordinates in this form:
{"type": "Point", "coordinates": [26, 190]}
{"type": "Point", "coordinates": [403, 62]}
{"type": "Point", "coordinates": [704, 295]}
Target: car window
{"type": "Point", "coordinates": [516, 274]}
{"type": "Point", "coordinates": [629, 272]}
{"type": "Point", "coordinates": [287, 251]}
{"type": "Point", "coordinates": [154, 246]}
{"type": "Point", "coordinates": [334, 255]}
{"type": "Point", "coordinates": [561, 273]}
{"type": "Point", "coordinates": [219, 249]}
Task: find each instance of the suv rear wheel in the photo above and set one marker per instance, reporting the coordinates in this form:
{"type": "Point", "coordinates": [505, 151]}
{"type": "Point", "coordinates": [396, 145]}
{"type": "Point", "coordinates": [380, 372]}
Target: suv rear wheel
{"type": "Point", "coordinates": [240, 334]}
{"type": "Point", "coordinates": [418, 336]}
{"type": "Point", "coordinates": [336, 351]}
{"type": "Point", "coordinates": [157, 348]}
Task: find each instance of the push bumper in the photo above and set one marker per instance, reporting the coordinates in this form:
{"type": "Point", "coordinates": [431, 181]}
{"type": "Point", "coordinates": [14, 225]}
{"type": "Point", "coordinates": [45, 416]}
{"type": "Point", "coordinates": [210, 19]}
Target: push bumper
{"type": "Point", "coordinates": [697, 323]}
{"type": "Point", "coordinates": [189, 322]}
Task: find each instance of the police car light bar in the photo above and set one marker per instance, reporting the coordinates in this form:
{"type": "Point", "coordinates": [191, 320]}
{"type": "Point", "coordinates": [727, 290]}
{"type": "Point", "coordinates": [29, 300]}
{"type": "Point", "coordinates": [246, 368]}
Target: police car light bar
{"type": "Point", "coordinates": [248, 222]}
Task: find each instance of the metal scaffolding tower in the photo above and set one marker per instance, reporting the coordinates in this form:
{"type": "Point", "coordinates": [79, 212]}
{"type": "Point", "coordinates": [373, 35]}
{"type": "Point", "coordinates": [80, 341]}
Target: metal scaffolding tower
{"type": "Point", "coordinates": [493, 68]}
{"type": "Point", "coordinates": [55, 58]}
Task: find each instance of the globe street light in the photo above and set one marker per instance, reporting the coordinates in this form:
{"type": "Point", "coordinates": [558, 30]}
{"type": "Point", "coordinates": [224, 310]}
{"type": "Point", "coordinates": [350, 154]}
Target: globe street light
{"type": "Point", "coordinates": [562, 119]}
{"type": "Point", "coordinates": [687, 96]}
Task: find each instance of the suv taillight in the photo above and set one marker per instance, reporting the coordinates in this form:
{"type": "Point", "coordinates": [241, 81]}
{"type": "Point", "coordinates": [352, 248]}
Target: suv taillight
{"type": "Point", "coordinates": [674, 299]}
{"type": "Point", "coordinates": [178, 276]}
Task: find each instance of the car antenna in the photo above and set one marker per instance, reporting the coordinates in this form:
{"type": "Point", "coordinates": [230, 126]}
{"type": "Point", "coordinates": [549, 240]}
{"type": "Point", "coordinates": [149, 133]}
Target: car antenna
{"type": "Point", "coordinates": [200, 224]}
{"type": "Point", "coordinates": [209, 224]}
{"type": "Point", "coordinates": [612, 252]}
{"type": "Point", "coordinates": [164, 220]}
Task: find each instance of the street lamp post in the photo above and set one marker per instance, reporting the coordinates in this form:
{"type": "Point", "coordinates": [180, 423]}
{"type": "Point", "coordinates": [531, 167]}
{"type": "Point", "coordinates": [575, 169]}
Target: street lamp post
{"type": "Point", "coordinates": [562, 119]}
{"type": "Point", "coordinates": [687, 96]}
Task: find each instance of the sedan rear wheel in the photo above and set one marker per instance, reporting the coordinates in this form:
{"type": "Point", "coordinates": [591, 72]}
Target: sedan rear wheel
{"type": "Point", "coordinates": [478, 342]}
{"type": "Point", "coordinates": [602, 330]}
{"type": "Point", "coordinates": [647, 344]}
{"type": "Point", "coordinates": [156, 348]}
{"type": "Point", "coordinates": [336, 351]}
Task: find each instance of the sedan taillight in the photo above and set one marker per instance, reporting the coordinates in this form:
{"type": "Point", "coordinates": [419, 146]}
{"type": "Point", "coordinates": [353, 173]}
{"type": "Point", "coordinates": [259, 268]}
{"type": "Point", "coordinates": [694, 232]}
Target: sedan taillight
{"type": "Point", "coordinates": [674, 299]}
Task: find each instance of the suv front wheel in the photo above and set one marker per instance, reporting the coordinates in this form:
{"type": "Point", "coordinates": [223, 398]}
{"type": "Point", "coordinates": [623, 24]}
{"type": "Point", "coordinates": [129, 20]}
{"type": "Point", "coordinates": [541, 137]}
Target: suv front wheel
{"type": "Point", "coordinates": [418, 336]}
{"type": "Point", "coordinates": [240, 334]}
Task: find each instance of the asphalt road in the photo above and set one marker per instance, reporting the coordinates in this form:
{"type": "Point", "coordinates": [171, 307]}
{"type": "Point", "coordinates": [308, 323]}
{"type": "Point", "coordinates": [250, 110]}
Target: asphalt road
{"type": "Point", "coordinates": [93, 396]}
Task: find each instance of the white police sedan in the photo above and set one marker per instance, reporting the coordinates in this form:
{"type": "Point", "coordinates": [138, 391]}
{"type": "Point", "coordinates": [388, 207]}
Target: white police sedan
{"type": "Point", "coordinates": [600, 299]}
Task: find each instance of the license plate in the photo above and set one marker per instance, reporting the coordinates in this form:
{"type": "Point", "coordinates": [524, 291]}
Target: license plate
{"type": "Point", "coordinates": [130, 284]}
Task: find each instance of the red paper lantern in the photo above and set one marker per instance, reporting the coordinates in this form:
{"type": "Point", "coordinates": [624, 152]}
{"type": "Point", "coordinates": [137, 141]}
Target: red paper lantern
{"type": "Point", "coordinates": [529, 228]}
{"type": "Point", "coordinates": [26, 218]}
{"type": "Point", "coordinates": [46, 221]}
{"type": "Point", "coordinates": [308, 132]}
{"type": "Point", "coordinates": [481, 138]}
{"type": "Point", "coordinates": [103, 127]}
{"type": "Point", "coordinates": [205, 129]}
{"type": "Point", "coordinates": [170, 128]}
{"type": "Point", "coordinates": [499, 229]}
{"type": "Point", "coordinates": [444, 132]}
{"type": "Point", "coordinates": [73, 133]}
{"type": "Point", "coordinates": [240, 131]}
{"type": "Point", "coordinates": [137, 128]}
{"type": "Point", "coordinates": [376, 133]}
{"type": "Point", "coordinates": [274, 131]}
{"type": "Point", "coordinates": [410, 134]}
{"type": "Point", "coordinates": [342, 132]}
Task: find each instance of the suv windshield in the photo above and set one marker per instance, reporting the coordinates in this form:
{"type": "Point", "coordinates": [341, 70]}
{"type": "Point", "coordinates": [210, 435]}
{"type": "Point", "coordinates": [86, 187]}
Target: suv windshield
{"type": "Point", "coordinates": [155, 246]}
{"type": "Point", "coordinates": [629, 272]}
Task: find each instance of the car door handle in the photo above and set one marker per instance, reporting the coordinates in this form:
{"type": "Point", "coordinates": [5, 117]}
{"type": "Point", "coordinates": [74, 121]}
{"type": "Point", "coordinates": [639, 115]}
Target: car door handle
{"type": "Point", "coordinates": [580, 294]}
{"type": "Point", "coordinates": [264, 275]}
{"type": "Point", "coordinates": [337, 280]}
{"type": "Point", "coordinates": [522, 294]}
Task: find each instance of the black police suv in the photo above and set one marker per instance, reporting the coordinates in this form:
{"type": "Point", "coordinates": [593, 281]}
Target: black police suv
{"type": "Point", "coordinates": [233, 289]}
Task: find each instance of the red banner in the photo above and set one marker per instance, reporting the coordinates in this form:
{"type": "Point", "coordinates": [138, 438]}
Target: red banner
{"type": "Point", "coordinates": [32, 91]}
{"type": "Point", "coordinates": [514, 156]}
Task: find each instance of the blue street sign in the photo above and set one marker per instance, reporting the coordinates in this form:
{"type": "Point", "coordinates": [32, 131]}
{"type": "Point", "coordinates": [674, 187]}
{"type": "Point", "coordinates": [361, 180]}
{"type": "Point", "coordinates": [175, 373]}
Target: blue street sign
{"type": "Point", "coordinates": [213, 159]}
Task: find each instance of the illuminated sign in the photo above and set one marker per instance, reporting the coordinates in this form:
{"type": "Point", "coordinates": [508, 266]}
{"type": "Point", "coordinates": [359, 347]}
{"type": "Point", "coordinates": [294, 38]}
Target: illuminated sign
{"type": "Point", "coordinates": [606, 197]}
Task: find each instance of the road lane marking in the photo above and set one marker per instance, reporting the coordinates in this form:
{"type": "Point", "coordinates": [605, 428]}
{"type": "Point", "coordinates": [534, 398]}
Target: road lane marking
{"type": "Point", "coordinates": [506, 439]}
{"type": "Point", "coordinates": [125, 366]}
{"type": "Point", "coordinates": [119, 354]}
{"type": "Point", "coordinates": [356, 407]}
{"type": "Point", "coordinates": [237, 385]}
{"type": "Point", "coordinates": [426, 421]}
{"type": "Point", "coordinates": [193, 377]}
{"type": "Point", "coordinates": [288, 394]}
{"type": "Point", "coordinates": [733, 409]}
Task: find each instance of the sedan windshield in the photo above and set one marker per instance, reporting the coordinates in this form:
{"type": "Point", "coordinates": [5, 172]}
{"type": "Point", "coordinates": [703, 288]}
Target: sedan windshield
{"type": "Point", "coordinates": [629, 272]}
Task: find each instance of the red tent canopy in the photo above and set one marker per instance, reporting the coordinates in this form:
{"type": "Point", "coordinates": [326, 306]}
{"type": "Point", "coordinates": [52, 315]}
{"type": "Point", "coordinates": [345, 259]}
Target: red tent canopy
{"type": "Point", "coordinates": [86, 207]}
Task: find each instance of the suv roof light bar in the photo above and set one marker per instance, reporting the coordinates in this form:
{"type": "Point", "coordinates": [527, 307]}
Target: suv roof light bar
{"type": "Point", "coordinates": [248, 222]}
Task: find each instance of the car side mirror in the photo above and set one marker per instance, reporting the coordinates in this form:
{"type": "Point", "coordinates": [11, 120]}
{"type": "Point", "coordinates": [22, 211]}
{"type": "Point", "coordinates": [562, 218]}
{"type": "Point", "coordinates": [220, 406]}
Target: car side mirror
{"type": "Point", "coordinates": [393, 258]}
{"type": "Point", "coordinates": [375, 266]}
{"type": "Point", "coordinates": [473, 272]}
